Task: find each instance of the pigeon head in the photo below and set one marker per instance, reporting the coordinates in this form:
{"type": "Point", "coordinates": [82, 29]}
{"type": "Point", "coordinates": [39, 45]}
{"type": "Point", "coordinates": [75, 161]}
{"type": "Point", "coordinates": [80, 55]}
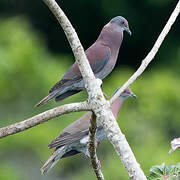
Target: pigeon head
{"type": "Point", "coordinates": [126, 93]}
{"type": "Point", "coordinates": [122, 23]}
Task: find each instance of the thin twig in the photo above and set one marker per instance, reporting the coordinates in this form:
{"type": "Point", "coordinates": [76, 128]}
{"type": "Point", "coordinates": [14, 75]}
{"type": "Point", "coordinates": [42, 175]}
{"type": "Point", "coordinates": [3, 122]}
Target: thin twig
{"type": "Point", "coordinates": [43, 117]}
{"type": "Point", "coordinates": [92, 148]}
{"type": "Point", "coordinates": [152, 53]}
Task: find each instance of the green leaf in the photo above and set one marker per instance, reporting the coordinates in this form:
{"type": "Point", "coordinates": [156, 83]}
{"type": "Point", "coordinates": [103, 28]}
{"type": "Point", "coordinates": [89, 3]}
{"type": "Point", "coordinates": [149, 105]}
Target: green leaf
{"type": "Point", "coordinates": [161, 172]}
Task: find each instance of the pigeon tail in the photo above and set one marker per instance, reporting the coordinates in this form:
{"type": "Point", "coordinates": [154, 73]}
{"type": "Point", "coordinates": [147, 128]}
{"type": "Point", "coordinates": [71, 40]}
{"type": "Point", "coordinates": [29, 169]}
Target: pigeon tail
{"type": "Point", "coordinates": [53, 159]}
{"type": "Point", "coordinates": [46, 99]}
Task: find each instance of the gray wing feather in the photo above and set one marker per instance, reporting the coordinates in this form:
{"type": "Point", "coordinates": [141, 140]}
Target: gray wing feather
{"type": "Point", "coordinates": [67, 139]}
{"type": "Point", "coordinates": [98, 66]}
{"type": "Point", "coordinates": [70, 138]}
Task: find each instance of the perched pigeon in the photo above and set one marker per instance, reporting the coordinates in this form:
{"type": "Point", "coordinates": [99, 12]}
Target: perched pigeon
{"type": "Point", "coordinates": [102, 56]}
{"type": "Point", "coordinates": [74, 138]}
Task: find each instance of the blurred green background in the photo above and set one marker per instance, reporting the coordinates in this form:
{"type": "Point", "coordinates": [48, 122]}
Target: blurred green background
{"type": "Point", "coordinates": [34, 54]}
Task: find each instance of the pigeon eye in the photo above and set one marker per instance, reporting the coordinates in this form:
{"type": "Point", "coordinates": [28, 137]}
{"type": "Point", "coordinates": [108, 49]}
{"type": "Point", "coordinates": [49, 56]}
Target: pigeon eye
{"type": "Point", "coordinates": [122, 22]}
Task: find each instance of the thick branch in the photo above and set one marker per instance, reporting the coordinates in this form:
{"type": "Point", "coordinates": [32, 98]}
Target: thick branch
{"type": "Point", "coordinates": [73, 39]}
{"type": "Point", "coordinates": [92, 148]}
{"type": "Point", "coordinates": [120, 144]}
{"type": "Point", "coordinates": [43, 117]}
{"type": "Point", "coordinates": [99, 105]}
{"type": "Point", "coordinates": [152, 53]}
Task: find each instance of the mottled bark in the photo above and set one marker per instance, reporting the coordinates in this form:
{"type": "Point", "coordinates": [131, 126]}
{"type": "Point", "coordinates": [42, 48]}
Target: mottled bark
{"type": "Point", "coordinates": [43, 117]}
{"type": "Point", "coordinates": [92, 148]}
{"type": "Point", "coordinates": [96, 100]}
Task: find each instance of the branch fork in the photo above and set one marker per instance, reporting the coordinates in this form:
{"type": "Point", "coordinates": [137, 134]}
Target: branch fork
{"type": "Point", "coordinates": [96, 101]}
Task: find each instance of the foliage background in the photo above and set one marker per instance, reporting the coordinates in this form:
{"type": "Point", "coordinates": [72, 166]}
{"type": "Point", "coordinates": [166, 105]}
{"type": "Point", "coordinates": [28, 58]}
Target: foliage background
{"type": "Point", "coordinates": [34, 54]}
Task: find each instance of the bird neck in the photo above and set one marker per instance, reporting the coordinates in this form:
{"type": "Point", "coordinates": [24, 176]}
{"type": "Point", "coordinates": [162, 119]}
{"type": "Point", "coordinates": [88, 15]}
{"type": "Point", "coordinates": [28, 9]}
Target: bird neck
{"type": "Point", "coordinates": [111, 35]}
{"type": "Point", "coordinates": [116, 106]}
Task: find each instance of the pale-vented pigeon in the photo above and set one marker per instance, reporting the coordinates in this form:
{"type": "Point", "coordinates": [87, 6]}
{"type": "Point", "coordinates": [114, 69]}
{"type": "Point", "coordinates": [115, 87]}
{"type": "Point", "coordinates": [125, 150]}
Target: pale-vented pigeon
{"type": "Point", "coordinates": [102, 56]}
{"type": "Point", "coordinates": [74, 138]}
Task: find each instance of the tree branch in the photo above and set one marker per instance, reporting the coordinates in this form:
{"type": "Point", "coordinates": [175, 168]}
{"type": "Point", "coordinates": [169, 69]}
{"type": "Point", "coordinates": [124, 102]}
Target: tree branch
{"type": "Point", "coordinates": [99, 105]}
{"type": "Point", "coordinates": [92, 148]}
{"type": "Point", "coordinates": [43, 117]}
{"type": "Point", "coordinates": [73, 39]}
{"type": "Point", "coordinates": [152, 53]}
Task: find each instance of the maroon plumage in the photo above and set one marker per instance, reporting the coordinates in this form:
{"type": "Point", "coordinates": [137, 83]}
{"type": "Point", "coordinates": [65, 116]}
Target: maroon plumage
{"type": "Point", "coordinates": [74, 138]}
{"type": "Point", "coordinates": [102, 56]}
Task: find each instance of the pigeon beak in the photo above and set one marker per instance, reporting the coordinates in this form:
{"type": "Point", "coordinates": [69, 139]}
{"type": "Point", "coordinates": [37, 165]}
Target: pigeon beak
{"type": "Point", "coordinates": [134, 96]}
{"type": "Point", "coordinates": [128, 30]}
